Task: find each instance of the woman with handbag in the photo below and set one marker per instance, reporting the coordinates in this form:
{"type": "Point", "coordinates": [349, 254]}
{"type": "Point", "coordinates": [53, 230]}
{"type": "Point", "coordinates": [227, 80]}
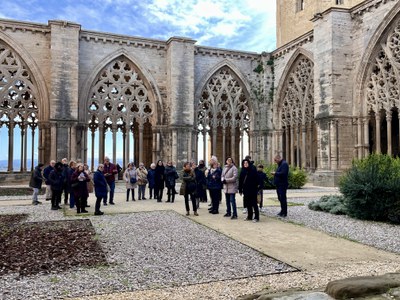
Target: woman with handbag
{"type": "Point", "coordinates": [188, 188]}
{"type": "Point", "coordinates": [142, 181]}
{"type": "Point", "coordinates": [130, 177]}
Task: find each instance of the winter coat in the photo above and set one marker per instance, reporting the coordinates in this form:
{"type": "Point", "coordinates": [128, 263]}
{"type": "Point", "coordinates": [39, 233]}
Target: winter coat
{"type": "Point", "coordinates": [46, 173]}
{"type": "Point", "coordinates": [56, 180]}
{"type": "Point", "coordinates": [67, 174]}
{"type": "Point", "coordinates": [248, 181]}
{"type": "Point", "coordinates": [100, 184]}
{"type": "Point", "coordinates": [142, 176]}
{"type": "Point", "coordinates": [111, 170]}
{"type": "Point", "coordinates": [80, 191]}
{"type": "Point", "coordinates": [281, 177]}
{"type": "Point", "coordinates": [188, 183]}
{"type": "Point", "coordinates": [128, 174]}
{"type": "Point", "coordinates": [201, 181]}
{"type": "Point", "coordinates": [230, 176]}
{"type": "Point", "coordinates": [36, 178]}
{"type": "Point", "coordinates": [214, 179]}
{"type": "Point", "coordinates": [159, 177]}
{"type": "Point", "coordinates": [170, 176]}
{"type": "Point", "coordinates": [151, 178]}
{"type": "Point", "coordinates": [261, 179]}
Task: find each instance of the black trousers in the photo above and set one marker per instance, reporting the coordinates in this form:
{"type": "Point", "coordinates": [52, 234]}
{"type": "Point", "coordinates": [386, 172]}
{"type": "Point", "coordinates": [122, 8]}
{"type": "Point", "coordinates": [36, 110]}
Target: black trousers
{"type": "Point", "coordinates": [193, 199]}
{"type": "Point", "coordinates": [251, 200]}
{"type": "Point", "coordinates": [55, 197]}
{"type": "Point", "coordinates": [215, 195]}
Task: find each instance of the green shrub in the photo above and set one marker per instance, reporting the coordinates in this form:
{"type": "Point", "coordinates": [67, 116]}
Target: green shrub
{"type": "Point", "coordinates": [333, 204]}
{"type": "Point", "coordinates": [371, 188]}
{"type": "Point", "coordinates": [297, 176]}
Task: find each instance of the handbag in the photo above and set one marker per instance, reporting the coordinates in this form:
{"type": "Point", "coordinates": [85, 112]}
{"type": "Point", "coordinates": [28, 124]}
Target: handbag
{"type": "Point", "coordinates": [75, 184]}
{"type": "Point", "coordinates": [133, 180]}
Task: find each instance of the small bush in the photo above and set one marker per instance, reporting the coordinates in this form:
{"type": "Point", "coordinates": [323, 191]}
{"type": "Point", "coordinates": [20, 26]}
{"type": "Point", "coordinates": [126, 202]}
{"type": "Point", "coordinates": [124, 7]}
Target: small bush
{"type": "Point", "coordinates": [371, 188]}
{"type": "Point", "coordinates": [297, 176]}
{"type": "Point", "coordinates": [333, 204]}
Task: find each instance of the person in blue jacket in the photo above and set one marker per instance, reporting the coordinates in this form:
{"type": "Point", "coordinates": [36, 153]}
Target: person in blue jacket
{"type": "Point", "coordinates": [281, 181]}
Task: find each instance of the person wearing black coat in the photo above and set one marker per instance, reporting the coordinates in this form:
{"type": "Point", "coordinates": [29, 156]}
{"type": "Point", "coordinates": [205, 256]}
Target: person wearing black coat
{"type": "Point", "coordinates": [248, 186]}
{"type": "Point", "coordinates": [170, 180]}
{"type": "Point", "coordinates": [79, 180]}
{"type": "Point", "coordinates": [201, 192]}
{"type": "Point", "coordinates": [36, 183]}
{"type": "Point", "coordinates": [100, 189]}
{"type": "Point", "coordinates": [56, 180]}
{"type": "Point", "coordinates": [159, 178]}
{"type": "Point", "coordinates": [281, 181]}
{"type": "Point", "coordinates": [46, 173]}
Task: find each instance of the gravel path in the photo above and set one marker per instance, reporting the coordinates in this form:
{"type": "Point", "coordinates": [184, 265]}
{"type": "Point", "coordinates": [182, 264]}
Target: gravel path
{"type": "Point", "coordinates": [145, 251]}
{"type": "Point", "coordinates": [163, 255]}
{"type": "Point", "coordinates": [377, 234]}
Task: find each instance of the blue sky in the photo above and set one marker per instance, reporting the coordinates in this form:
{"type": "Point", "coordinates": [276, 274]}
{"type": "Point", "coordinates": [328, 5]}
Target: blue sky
{"type": "Point", "coordinates": [247, 25]}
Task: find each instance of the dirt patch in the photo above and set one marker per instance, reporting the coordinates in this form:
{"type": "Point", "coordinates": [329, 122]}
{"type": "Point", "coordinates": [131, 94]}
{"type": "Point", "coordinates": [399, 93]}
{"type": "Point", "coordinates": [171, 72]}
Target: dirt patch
{"type": "Point", "coordinates": [20, 191]}
{"type": "Point", "coordinates": [45, 247]}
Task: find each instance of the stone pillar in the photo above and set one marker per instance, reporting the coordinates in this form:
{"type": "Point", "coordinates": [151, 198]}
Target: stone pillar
{"type": "Point", "coordinates": [140, 143]}
{"type": "Point", "coordinates": [223, 142]}
{"type": "Point", "coordinates": [23, 147]}
{"type": "Point", "coordinates": [205, 145]}
{"type": "Point", "coordinates": [101, 143]}
{"type": "Point", "coordinates": [389, 132]}
{"type": "Point", "coordinates": [303, 146]}
{"type": "Point", "coordinates": [333, 145]}
{"type": "Point", "coordinates": [73, 142]}
{"type": "Point", "coordinates": [11, 146]}
{"type": "Point", "coordinates": [233, 144]}
{"type": "Point", "coordinates": [33, 148]}
{"type": "Point", "coordinates": [378, 132]}
{"type": "Point", "coordinates": [292, 144]}
{"type": "Point", "coordinates": [180, 93]}
{"type": "Point", "coordinates": [287, 143]}
{"type": "Point", "coordinates": [127, 139]}
{"type": "Point", "coordinates": [366, 137]}
{"type": "Point", "coordinates": [214, 141]}
{"type": "Point", "coordinates": [53, 130]}
{"type": "Point", "coordinates": [359, 139]}
{"type": "Point", "coordinates": [64, 84]}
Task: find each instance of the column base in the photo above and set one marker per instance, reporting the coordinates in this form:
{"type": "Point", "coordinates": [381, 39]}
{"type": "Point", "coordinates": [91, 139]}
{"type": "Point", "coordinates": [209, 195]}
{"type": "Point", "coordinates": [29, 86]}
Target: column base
{"type": "Point", "coordinates": [325, 178]}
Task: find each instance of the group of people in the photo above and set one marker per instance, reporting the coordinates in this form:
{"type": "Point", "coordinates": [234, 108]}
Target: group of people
{"type": "Point", "coordinates": [76, 181]}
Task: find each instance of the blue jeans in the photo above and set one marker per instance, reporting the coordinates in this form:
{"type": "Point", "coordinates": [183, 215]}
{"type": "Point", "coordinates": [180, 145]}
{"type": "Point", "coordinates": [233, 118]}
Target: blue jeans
{"type": "Point", "coordinates": [231, 201]}
{"type": "Point", "coordinates": [35, 195]}
{"type": "Point", "coordinates": [112, 189]}
{"type": "Point", "coordinates": [71, 200]}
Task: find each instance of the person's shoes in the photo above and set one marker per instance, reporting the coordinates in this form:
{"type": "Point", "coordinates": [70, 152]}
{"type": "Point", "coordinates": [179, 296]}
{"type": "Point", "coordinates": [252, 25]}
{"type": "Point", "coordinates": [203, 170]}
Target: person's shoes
{"type": "Point", "coordinates": [233, 217]}
{"type": "Point", "coordinates": [134, 199]}
{"type": "Point", "coordinates": [159, 201]}
{"type": "Point", "coordinates": [87, 205]}
{"type": "Point", "coordinates": [58, 207]}
{"type": "Point", "coordinates": [144, 198]}
{"type": "Point", "coordinates": [127, 200]}
{"type": "Point", "coordinates": [256, 220]}
{"type": "Point", "coordinates": [245, 211]}
{"type": "Point", "coordinates": [195, 213]}
{"type": "Point", "coordinates": [227, 215]}
{"type": "Point", "coordinates": [98, 213]}
{"type": "Point", "coordinates": [140, 199]}
{"type": "Point", "coordinates": [84, 211]}
{"type": "Point", "coordinates": [105, 204]}
{"type": "Point", "coordinates": [151, 198]}
{"type": "Point", "coordinates": [283, 216]}
{"type": "Point", "coordinates": [78, 211]}
{"type": "Point", "coordinates": [38, 202]}
{"type": "Point", "coordinates": [247, 219]}
{"type": "Point", "coordinates": [168, 201]}
{"type": "Point", "coordinates": [215, 212]}
{"type": "Point", "coordinates": [54, 208]}
{"type": "Point", "coordinates": [210, 204]}
{"type": "Point", "coordinates": [112, 203]}
{"type": "Point", "coordinates": [48, 199]}
{"type": "Point", "coordinates": [187, 213]}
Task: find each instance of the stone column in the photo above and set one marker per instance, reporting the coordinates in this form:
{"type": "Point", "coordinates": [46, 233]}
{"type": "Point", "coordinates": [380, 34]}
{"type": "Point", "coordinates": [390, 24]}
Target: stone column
{"type": "Point", "coordinates": [303, 146]}
{"type": "Point", "coordinates": [92, 149]}
{"type": "Point", "coordinates": [389, 132]}
{"type": "Point", "coordinates": [233, 144]}
{"type": "Point", "coordinates": [11, 146]}
{"type": "Point", "coordinates": [205, 145]}
{"type": "Point", "coordinates": [333, 145]}
{"type": "Point", "coordinates": [359, 138]}
{"type": "Point", "coordinates": [127, 135]}
{"type": "Point", "coordinates": [298, 163]}
{"type": "Point", "coordinates": [73, 153]}
{"type": "Point", "coordinates": [33, 148]}
{"type": "Point", "coordinates": [366, 137]}
{"type": "Point", "coordinates": [214, 140]}
{"type": "Point", "coordinates": [53, 130]}
{"type": "Point", "coordinates": [378, 132]}
{"type": "Point", "coordinates": [140, 142]}
{"type": "Point", "coordinates": [223, 142]}
{"type": "Point", "coordinates": [292, 144]}
{"type": "Point", "coordinates": [24, 143]}
{"type": "Point", "coordinates": [287, 142]}
{"type": "Point", "coordinates": [101, 143]}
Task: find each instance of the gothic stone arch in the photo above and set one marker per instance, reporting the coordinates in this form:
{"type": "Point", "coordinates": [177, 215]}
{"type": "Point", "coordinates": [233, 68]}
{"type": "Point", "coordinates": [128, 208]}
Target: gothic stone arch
{"type": "Point", "coordinates": [294, 112]}
{"type": "Point", "coordinates": [23, 103]}
{"type": "Point", "coordinates": [224, 112]}
{"type": "Point", "coordinates": [378, 98]}
{"type": "Point", "coordinates": [121, 101]}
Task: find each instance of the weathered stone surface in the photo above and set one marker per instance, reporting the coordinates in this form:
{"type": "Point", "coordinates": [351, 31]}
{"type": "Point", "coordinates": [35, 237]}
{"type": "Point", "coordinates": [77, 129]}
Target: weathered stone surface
{"type": "Point", "coordinates": [289, 295]}
{"type": "Point", "coordinates": [362, 286]}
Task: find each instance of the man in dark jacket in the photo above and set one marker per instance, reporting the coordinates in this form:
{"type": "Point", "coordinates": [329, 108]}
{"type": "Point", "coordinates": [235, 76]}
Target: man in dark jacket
{"type": "Point", "coordinates": [36, 183]}
{"type": "Point", "coordinates": [281, 181]}
{"type": "Point", "coordinates": [109, 171]}
{"type": "Point", "coordinates": [56, 180]}
{"type": "Point", "coordinates": [46, 173]}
